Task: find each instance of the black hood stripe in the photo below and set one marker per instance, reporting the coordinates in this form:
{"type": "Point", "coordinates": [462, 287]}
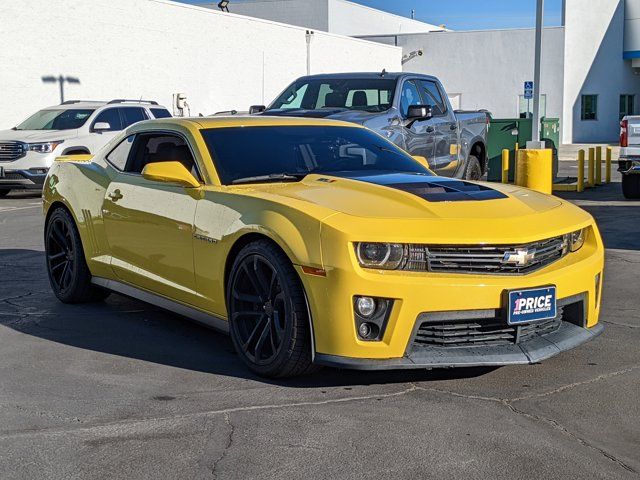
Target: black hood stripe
{"type": "Point", "coordinates": [432, 188]}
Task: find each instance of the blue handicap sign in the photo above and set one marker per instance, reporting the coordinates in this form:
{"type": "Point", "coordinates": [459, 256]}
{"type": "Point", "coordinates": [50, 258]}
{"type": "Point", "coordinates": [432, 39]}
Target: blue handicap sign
{"type": "Point", "coordinates": [528, 90]}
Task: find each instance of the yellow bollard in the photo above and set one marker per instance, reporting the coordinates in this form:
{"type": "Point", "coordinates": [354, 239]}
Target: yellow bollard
{"type": "Point", "coordinates": [534, 170]}
{"type": "Point", "coordinates": [592, 161]}
{"type": "Point", "coordinates": [505, 166]}
{"type": "Point", "coordinates": [580, 187]}
{"type": "Point", "coordinates": [608, 165]}
{"type": "Point", "coordinates": [598, 165]}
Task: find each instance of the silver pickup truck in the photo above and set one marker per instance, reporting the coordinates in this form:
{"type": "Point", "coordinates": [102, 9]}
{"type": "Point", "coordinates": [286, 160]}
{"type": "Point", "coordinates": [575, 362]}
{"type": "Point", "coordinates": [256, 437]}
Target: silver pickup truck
{"type": "Point", "coordinates": [629, 161]}
{"type": "Point", "coordinates": [411, 110]}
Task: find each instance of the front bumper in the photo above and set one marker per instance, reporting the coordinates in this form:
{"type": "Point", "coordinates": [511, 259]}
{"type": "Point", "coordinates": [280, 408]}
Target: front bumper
{"type": "Point", "coordinates": [533, 350]}
{"type": "Point", "coordinates": [576, 275]}
{"type": "Point", "coordinates": [21, 179]}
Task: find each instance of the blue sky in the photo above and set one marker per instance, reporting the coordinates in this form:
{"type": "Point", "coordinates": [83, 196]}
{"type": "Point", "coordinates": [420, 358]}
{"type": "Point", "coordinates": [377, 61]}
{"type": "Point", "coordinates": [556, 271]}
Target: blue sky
{"type": "Point", "coordinates": [464, 14]}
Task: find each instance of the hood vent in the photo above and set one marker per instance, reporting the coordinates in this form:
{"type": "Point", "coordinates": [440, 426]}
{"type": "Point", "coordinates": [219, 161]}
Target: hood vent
{"type": "Point", "coordinates": [431, 188]}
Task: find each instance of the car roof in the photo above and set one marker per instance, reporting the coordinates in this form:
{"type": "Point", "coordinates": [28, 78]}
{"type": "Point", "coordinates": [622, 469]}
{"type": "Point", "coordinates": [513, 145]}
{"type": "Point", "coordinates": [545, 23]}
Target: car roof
{"type": "Point", "coordinates": [203, 123]}
{"type": "Point", "coordinates": [365, 75]}
{"type": "Point", "coordinates": [82, 104]}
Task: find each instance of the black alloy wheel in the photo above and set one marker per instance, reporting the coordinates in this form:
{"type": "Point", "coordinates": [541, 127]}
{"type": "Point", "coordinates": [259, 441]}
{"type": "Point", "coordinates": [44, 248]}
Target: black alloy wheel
{"type": "Point", "coordinates": [268, 317]}
{"type": "Point", "coordinates": [69, 274]}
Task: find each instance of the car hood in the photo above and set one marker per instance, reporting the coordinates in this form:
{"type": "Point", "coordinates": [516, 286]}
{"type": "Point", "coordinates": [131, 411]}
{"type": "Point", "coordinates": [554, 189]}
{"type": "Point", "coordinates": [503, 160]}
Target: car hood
{"type": "Point", "coordinates": [352, 116]}
{"type": "Point", "coordinates": [35, 136]}
{"type": "Point", "coordinates": [412, 196]}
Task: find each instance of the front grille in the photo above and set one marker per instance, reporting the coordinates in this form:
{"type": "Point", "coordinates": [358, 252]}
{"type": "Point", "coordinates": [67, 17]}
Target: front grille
{"type": "Point", "coordinates": [484, 259]}
{"type": "Point", "coordinates": [481, 332]}
{"type": "Point", "coordinates": [10, 151]}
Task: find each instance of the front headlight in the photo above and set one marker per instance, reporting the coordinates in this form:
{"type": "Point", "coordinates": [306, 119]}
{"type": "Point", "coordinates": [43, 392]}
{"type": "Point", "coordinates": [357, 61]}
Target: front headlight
{"type": "Point", "coordinates": [45, 147]}
{"type": "Point", "coordinates": [575, 240]}
{"type": "Point", "coordinates": [387, 256]}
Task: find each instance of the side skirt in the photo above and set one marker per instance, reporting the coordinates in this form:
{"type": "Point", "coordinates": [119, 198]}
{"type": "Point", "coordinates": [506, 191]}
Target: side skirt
{"type": "Point", "coordinates": [191, 313]}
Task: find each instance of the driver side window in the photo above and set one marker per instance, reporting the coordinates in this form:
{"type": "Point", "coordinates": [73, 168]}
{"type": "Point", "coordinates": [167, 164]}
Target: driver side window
{"type": "Point", "coordinates": [409, 96]}
{"type": "Point", "coordinates": [160, 147]}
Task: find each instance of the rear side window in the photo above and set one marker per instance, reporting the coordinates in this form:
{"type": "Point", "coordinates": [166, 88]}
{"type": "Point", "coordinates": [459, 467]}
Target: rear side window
{"type": "Point", "coordinates": [160, 147]}
{"type": "Point", "coordinates": [110, 116]}
{"type": "Point", "coordinates": [118, 156]}
{"type": "Point", "coordinates": [160, 113]}
{"type": "Point", "coordinates": [132, 115]}
{"type": "Point", "coordinates": [431, 96]}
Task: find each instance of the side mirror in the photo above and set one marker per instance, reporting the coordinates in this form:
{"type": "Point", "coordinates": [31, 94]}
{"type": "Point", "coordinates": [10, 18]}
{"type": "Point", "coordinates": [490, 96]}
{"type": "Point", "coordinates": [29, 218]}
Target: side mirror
{"type": "Point", "coordinates": [253, 109]}
{"type": "Point", "coordinates": [170, 172]}
{"type": "Point", "coordinates": [422, 160]}
{"type": "Point", "coordinates": [101, 126]}
{"type": "Point", "coordinates": [420, 112]}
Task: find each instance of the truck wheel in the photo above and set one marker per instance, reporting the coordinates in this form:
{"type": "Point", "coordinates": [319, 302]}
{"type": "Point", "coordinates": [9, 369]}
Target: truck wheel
{"type": "Point", "coordinates": [268, 316]}
{"type": "Point", "coordinates": [473, 170]}
{"type": "Point", "coordinates": [4, 193]}
{"type": "Point", "coordinates": [631, 186]}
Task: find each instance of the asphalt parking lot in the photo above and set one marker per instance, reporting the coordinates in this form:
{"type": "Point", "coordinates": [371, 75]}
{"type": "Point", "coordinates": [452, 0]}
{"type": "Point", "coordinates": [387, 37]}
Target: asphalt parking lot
{"type": "Point", "coordinates": [123, 390]}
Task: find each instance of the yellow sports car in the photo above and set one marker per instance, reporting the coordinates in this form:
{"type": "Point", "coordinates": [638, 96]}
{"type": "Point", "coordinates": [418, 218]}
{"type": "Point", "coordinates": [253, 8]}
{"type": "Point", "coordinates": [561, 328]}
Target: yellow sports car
{"type": "Point", "coordinates": [316, 242]}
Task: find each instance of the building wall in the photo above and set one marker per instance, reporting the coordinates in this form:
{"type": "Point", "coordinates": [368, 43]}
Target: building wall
{"type": "Point", "coordinates": [348, 18]}
{"type": "Point", "coordinates": [153, 48]}
{"type": "Point", "coordinates": [313, 14]}
{"type": "Point", "coordinates": [632, 29]}
{"type": "Point", "coordinates": [594, 65]}
{"type": "Point", "coordinates": [336, 16]}
{"type": "Point", "coordinates": [488, 68]}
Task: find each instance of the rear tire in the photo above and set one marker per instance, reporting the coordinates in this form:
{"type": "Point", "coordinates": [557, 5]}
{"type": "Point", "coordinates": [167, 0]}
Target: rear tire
{"type": "Point", "coordinates": [67, 268]}
{"type": "Point", "coordinates": [473, 170]}
{"type": "Point", "coordinates": [268, 316]}
{"type": "Point", "coordinates": [631, 186]}
{"type": "Point", "coordinates": [4, 193]}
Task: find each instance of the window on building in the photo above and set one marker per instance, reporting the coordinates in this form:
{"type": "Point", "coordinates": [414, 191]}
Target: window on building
{"type": "Point", "coordinates": [456, 100]}
{"type": "Point", "coordinates": [589, 107]}
{"type": "Point", "coordinates": [525, 107]}
{"type": "Point", "coordinates": [627, 105]}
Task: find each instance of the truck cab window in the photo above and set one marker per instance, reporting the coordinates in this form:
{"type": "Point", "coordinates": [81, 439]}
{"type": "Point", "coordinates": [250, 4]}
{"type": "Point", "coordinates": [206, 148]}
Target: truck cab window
{"type": "Point", "coordinates": [409, 96]}
{"type": "Point", "coordinates": [431, 96]}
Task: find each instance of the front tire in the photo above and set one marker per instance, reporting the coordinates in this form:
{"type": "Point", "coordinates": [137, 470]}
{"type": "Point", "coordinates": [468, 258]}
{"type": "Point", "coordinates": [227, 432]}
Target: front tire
{"type": "Point", "coordinates": [268, 317]}
{"type": "Point", "coordinates": [69, 274]}
{"type": "Point", "coordinates": [473, 170]}
{"type": "Point", "coordinates": [4, 193]}
{"type": "Point", "coordinates": [631, 186]}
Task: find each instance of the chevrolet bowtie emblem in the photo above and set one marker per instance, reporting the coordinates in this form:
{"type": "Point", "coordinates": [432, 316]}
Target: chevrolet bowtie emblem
{"type": "Point", "coordinates": [520, 257]}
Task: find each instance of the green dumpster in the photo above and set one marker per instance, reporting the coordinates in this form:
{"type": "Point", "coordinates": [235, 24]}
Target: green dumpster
{"type": "Point", "coordinates": [506, 132]}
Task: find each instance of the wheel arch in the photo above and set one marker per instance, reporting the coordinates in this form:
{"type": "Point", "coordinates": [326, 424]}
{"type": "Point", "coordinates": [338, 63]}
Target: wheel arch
{"type": "Point", "coordinates": [479, 150]}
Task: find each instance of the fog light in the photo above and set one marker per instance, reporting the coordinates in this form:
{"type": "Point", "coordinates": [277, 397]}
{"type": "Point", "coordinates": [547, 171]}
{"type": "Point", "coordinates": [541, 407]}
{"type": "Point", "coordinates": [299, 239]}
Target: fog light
{"type": "Point", "coordinates": [366, 306]}
{"type": "Point", "coordinates": [365, 330]}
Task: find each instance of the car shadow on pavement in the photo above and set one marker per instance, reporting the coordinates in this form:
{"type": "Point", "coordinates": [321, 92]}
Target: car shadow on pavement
{"type": "Point", "coordinates": [129, 328]}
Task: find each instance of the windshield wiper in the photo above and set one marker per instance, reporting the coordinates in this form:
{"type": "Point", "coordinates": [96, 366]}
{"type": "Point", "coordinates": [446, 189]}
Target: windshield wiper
{"type": "Point", "coordinates": [273, 177]}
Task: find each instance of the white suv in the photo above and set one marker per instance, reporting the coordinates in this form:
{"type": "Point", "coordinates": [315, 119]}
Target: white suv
{"type": "Point", "coordinates": [73, 127]}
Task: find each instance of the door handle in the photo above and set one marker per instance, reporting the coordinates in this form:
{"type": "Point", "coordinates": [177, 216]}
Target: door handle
{"type": "Point", "coordinates": [453, 126]}
{"type": "Point", "coordinates": [430, 129]}
{"type": "Point", "coordinates": [115, 196]}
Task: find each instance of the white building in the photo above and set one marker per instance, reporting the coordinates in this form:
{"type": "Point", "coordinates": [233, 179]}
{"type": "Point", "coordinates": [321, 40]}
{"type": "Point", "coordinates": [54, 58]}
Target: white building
{"type": "Point", "coordinates": [153, 49]}
{"type": "Point", "coordinates": [589, 72]}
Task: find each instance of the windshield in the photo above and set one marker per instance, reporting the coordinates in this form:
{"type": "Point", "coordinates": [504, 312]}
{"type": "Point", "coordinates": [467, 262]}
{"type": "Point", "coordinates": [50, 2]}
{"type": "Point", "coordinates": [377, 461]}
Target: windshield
{"type": "Point", "coordinates": [291, 152]}
{"type": "Point", "coordinates": [368, 95]}
{"type": "Point", "coordinates": [56, 120]}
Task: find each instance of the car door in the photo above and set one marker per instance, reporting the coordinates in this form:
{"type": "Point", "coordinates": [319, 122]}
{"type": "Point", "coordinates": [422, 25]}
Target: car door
{"type": "Point", "coordinates": [419, 135]}
{"type": "Point", "coordinates": [149, 224]}
{"type": "Point", "coordinates": [445, 155]}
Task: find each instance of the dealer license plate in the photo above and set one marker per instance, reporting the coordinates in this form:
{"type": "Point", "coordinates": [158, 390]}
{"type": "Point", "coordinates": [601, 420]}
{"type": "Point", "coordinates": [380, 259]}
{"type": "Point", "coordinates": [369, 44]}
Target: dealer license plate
{"type": "Point", "coordinates": [531, 305]}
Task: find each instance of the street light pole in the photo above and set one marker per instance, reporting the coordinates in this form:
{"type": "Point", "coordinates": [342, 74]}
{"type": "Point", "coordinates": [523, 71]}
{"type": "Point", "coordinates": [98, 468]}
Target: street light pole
{"type": "Point", "coordinates": [536, 71]}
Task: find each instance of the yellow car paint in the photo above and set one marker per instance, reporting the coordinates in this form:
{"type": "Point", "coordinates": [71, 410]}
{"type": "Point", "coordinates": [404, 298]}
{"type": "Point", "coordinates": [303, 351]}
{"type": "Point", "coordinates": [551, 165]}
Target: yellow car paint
{"type": "Point", "coordinates": [173, 241]}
